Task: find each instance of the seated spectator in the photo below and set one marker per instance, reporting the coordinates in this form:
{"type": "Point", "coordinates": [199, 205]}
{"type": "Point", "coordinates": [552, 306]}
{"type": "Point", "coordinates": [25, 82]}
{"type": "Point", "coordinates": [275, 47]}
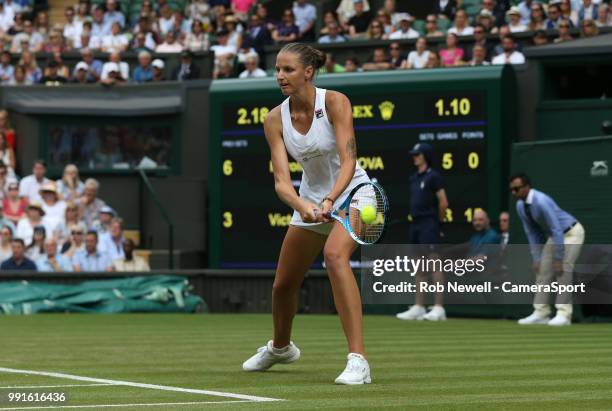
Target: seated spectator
{"type": "Point", "coordinates": [187, 70]}
{"type": "Point", "coordinates": [71, 217]}
{"type": "Point", "coordinates": [604, 17]}
{"type": "Point", "coordinates": [94, 66]}
{"type": "Point", "coordinates": [140, 44]}
{"type": "Point", "coordinates": [111, 242]}
{"type": "Point", "coordinates": [52, 78]}
{"type": "Point", "coordinates": [587, 11]}
{"type": "Point", "coordinates": [19, 77]}
{"type": "Point", "coordinates": [333, 34]}
{"type": "Point", "coordinates": [564, 32]}
{"type": "Point", "coordinates": [6, 237]}
{"type": "Point", "coordinates": [130, 262]}
{"type": "Point", "coordinates": [181, 26]}
{"type": "Point", "coordinates": [384, 19]}
{"type": "Point", "coordinates": [305, 18]}
{"type": "Point", "coordinates": [83, 11]}
{"type": "Point", "coordinates": [14, 206]}
{"type": "Point", "coordinates": [554, 16]}
{"type": "Point", "coordinates": [36, 248]}
{"type": "Point", "coordinates": [113, 14]}
{"type": "Point", "coordinates": [158, 70]}
{"type": "Point", "coordinates": [242, 7]}
{"type": "Point", "coordinates": [197, 39]}
{"type": "Point", "coordinates": [145, 27]}
{"type": "Point", "coordinates": [70, 187]}
{"type": "Point", "coordinates": [433, 61]}
{"type": "Point", "coordinates": [524, 8]}
{"type": "Point", "coordinates": [445, 9]}
{"type": "Point", "coordinates": [222, 50]}
{"type": "Point", "coordinates": [360, 21]}
{"type": "Point", "coordinates": [5, 180]}
{"type": "Point", "coordinates": [80, 74]}
{"type": "Point", "coordinates": [123, 67]}
{"type": "Point", "coordinates": [514, 20]}
{"type": "Point", "coordinates": [431, 27]}
{"type": "Point", "coordinates": [224, 70]}
{"type": "Point", "coordinates": [352, 65]}
{"type": "Point", "coordinates": [538, 18]}
{"type": "Point", "coordinates": [287, 31]}
{"type": "Point", "coordinates": [397, 55]}
{"type": "Point", "coordinates": [29, 186]}
{"type": "Point", "coordinates": [5, 222]}
{"type": "Point", "coordinates": [90, 203]}
{"type": "Point", "coordinates": [331, 66]}
{"type": "Point", "coordinates": [375, 31]}
{"type": "Point", "coordinates": [328, 18]}
{"type": "Point", "coordinates": [259, 35]}
{"type": "Point", "coordinates": [389, 8]}
{"type": "Point", "coordinates": [72, 27]}
{"type": "Point", "coordinates": [452, 55]}
{"type": "Point", "coordinates": [55, 43]}
{"type": "Point", "coordinates": [252, 69]}
{"type": "Point", "coordinates": [540, 38]}
{"type": "Point", "coordinates": [53, 206]}
{"type": "Point", "coordinates": [170, 44]}
{"type": "Point", "coordinates": [197, 9]}
{"type": "Point", "coordinates": [486, 20]}
{"type": "Point", "coordinates": [494, 9]}
{"type": "Point", "coordinates": [86, 38]}
{"type": "Point", "coordinates": [51, 261]}
{"type": "Point", "coordinates": [483, 235]}
{"type": "Point", "coordinates": [62, 69]}
{"type": "Point", "coordinates": [479, 56]}
{"type": "Point", "coordinates": [90, 259]}
{"type": "Point", "coordinates": [405, 30]}
{"type": "Point", "coordinates": [115, 41]}
{"type": "Point", "coordinates": [417, 59]}
{"type": "Point", "coordinates": [33, 218]}
{"type": "Point", "coordinates": [99, 28]}
{"type": "Point", "coordinates": [41, 23]}
{"type": "Point", "coordinates": [480, 39]}
{"type": "Point", "coordinates": [76, 243]}
{"type": "Point", "coordinates": [19, 7]}
{"type": "Point", "coordinates": [102, 226]}
{"type": "Point", "coordinates": [588, 29]}
{"type": "Point", "coordinates": [461, 26]}
{"type": "Point", "coordinates": [379, 61]}
{"type": "Point", "coordinates": [7, 156]}
{"type": "Point", "coordinates": [18, 261]}
{"type": "Point", "coordinates": [6, 128]}
{"type": "Point", "coordinates": [346, 10]}
{"type": "Point", "coordinates": [6, 68]}
{"type": "Point", "coordinates": [510, 54]}
{"type": "Point", "coordinates": [28, 40]}
{"type": "Point", "coordinates": [6, 18]}
{"type": "Point", "coordinates": [166, 19]}
{"type": "Point", "coordinates": [144, 71]}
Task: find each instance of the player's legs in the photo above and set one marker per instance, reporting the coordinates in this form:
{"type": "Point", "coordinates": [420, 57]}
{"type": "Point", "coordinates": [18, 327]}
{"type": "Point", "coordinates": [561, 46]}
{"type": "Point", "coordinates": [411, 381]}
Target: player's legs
{"type": "Point", "coordinates": [337, 252]}
{"type": "Point", "coordinates": [300, 248]}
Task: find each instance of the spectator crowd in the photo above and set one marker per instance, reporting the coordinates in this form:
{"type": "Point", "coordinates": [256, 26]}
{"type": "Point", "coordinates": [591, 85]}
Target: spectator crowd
{"type": "Point", "coordinates": [238, 30]}
{"type": "Point", "coordinates": [61, 225]}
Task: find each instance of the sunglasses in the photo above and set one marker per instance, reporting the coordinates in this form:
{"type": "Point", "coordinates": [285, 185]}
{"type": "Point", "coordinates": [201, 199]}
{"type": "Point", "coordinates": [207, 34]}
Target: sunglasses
{"type": "Point", "coordinates": [77, 232]}
{"type": "Point", "coordinates": [394, 48]}
{"type": "Point", "coordinates": [516, 189]}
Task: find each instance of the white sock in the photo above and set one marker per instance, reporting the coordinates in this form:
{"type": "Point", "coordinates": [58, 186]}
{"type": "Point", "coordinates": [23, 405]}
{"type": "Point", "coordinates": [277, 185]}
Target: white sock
{"type": "Point", "coordinates": [279, 351]}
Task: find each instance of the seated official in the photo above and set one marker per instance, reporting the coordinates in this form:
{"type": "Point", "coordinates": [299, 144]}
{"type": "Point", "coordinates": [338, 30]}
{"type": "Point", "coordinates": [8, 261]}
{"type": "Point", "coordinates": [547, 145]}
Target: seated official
{"type": "Point", "coordinates": [18, 261]}
{"type": "Point", "coordinates": [130, 262]}
{"type": "Point", "coordinates": [52, 261]}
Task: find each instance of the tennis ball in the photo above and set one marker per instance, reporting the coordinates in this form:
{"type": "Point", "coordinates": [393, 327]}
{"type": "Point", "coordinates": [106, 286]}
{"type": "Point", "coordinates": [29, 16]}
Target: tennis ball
{"type": "Point", "coordinates": [368, 214]}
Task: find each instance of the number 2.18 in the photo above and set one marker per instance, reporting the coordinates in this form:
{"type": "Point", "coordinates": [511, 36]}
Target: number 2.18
{"type": "Point", "coordinates": [257, 116]}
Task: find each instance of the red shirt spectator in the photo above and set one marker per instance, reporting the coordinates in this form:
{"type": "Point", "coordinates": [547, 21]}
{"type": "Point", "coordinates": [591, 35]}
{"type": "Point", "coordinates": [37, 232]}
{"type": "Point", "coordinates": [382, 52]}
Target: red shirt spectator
{"type": "Point", "coordinates": [14, 206]}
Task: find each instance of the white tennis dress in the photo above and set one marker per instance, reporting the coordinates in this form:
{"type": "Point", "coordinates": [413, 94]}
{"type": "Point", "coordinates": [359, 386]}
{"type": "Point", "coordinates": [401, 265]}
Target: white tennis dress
{"type": "Point", "coordinates": [317, 153]}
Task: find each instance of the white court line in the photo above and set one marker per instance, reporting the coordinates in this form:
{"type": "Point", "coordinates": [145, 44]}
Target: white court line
{"type": "Point", "coordinates": [139, 385]}
{"type": "Point", "coordinates": [25, 387]}
{"type": "Point", "coordinates": [154, 404]}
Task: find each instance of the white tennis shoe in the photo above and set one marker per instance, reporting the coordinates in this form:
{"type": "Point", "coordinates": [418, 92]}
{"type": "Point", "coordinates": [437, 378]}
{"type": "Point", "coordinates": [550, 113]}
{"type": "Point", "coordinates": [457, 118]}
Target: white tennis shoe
{"type": "Point", "coordinates": [267, 356]}
{"type": "Point", "coordinates": [357, 371]}
{"type": "Point", "coordinates": [436, 314]}
{"type": "Point", "coordinates": [534, 318]}
{"type": "Point", "coordinates": [560, 320]}
{"type": "Point", "coordinates": [416, 312]}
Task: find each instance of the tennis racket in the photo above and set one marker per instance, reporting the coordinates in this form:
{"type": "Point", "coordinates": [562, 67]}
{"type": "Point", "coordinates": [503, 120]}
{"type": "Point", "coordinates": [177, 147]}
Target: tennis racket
{"type": "Point", "coordinates": [349, 213]}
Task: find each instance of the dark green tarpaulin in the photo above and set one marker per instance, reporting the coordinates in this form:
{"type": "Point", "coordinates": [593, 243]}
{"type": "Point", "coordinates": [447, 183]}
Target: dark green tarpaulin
{"type": "Point", "coordinates": [135, 294]}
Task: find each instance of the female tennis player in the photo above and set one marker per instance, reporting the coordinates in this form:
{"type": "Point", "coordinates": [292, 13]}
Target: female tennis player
{"type": "Point", "coordinates": [315, 126]}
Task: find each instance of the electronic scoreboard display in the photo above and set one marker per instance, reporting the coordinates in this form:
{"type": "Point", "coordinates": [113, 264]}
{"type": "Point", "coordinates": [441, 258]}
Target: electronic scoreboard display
{"type": "Point", "coordinates": [463, 114]}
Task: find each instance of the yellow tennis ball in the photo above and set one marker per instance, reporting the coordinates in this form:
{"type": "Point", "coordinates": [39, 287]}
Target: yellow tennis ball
{"type": "Point", "coordinates": [368, 214]}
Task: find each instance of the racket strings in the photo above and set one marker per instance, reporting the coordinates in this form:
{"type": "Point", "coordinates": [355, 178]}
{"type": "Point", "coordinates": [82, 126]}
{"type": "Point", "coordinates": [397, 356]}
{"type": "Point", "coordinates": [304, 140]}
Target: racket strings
{"type": "Point", "coordinates": [369, 196]}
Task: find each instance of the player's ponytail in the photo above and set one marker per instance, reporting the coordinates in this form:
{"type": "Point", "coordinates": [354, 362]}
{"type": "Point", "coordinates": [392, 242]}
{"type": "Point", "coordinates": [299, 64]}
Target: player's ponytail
{"type": "Point", "coordinates": [308, 56]}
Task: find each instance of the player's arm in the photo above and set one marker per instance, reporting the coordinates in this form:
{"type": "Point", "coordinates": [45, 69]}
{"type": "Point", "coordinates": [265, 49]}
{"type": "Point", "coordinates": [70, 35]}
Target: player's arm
{"type": "Point", "coordinates": [442, 204]}
{"type": "Point", "coordinates": [340, 114]}
{"type": "Point", "coordinates": [280, 164]}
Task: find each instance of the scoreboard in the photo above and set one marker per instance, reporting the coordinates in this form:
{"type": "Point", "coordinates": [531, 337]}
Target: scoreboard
{"type": "Point", "coordinates": [465, 114]}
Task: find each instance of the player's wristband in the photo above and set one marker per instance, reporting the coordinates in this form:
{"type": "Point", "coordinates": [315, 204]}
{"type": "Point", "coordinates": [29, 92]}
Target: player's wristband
{"type": "Point", "coordinates": [327, 198]}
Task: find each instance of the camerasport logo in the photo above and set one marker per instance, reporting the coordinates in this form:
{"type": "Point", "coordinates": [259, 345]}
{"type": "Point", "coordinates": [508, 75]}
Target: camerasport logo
{"type": "Point", "coordinates": [599, 168]}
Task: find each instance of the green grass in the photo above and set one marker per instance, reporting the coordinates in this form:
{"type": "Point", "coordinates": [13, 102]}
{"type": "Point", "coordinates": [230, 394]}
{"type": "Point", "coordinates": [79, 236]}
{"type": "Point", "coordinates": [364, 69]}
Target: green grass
{"type": "Point", "coordinates": [456, 365]}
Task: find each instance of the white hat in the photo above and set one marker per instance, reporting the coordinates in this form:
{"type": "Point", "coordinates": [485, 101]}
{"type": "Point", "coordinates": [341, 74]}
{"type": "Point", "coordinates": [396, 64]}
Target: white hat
{"type": "Point", "coordinates": [514, 10]}
{"type": "Point", "coordinates": [81, 65]}
{"type": "Point", "coordinates": [112, 66]}
{"type": "Point", "coordinates": [158, 63]}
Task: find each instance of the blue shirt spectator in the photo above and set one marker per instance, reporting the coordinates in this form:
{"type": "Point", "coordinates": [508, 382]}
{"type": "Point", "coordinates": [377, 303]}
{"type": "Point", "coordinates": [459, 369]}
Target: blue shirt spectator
{"type": "Point", "coordinates": [63, 263]}
{"type": "Point", "coordinates": [143, 74]}
{"type": "Point", "coordinates": [305, 15]}
{"type": "Point", "coordinates": [91, 259]}
{"type": "Point", "coordinates": [543, 218]}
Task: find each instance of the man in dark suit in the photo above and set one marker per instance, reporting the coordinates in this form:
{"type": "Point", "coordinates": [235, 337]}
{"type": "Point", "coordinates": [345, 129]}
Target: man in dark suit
{"type": "Point", "coordinates": [186, 70]}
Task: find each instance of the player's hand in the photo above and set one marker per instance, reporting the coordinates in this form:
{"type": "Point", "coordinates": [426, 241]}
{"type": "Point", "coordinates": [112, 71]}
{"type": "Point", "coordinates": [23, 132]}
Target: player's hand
{"type": "Point", "coordinates": [535, 267]}
{"type": "Point", "coordinates": [557, 266]}
{"type": "Point", "coordinates": [310, 213]}
{"type": "Point", "coordinates": [326, 209]}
